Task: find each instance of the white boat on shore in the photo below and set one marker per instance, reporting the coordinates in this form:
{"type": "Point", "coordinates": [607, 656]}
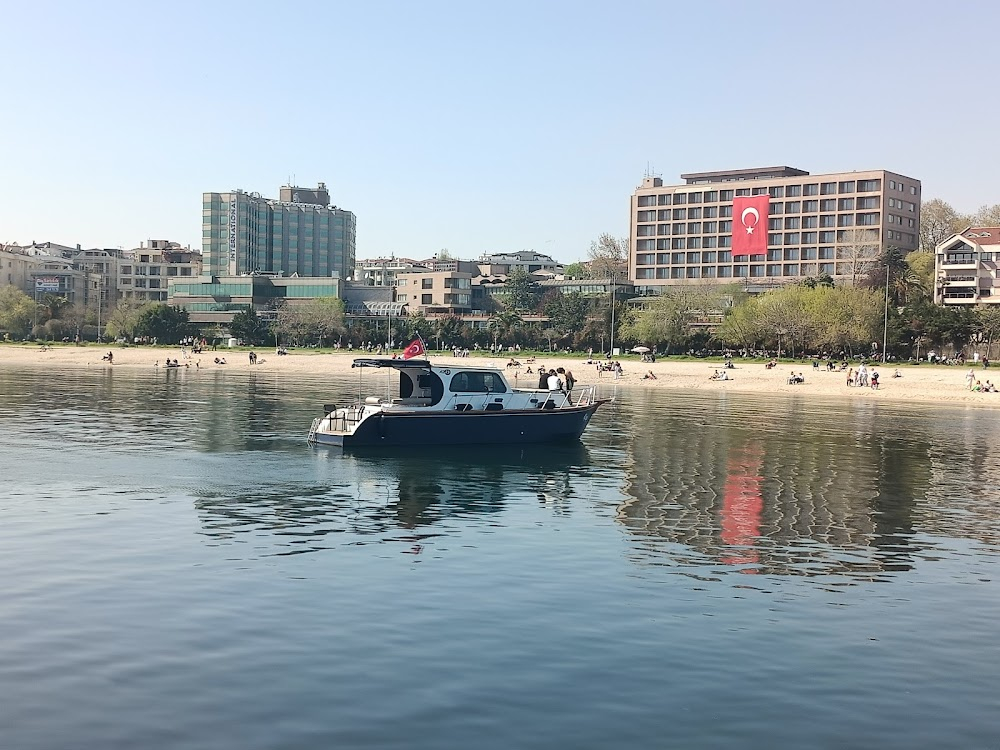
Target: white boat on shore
{"type": "Point", "coordinates": [455, 405]}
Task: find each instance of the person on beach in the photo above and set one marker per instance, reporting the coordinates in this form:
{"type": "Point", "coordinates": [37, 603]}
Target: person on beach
{"type": "Point", "coordinates": [850, 377]}
{"type": "Point", "coordinates": [970, 378]}
{"type": "Point", "coordinates": [874, 380]}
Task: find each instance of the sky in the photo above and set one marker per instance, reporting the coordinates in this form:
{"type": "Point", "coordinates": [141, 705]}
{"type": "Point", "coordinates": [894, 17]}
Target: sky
{"type": "Point", "coordinates": [473, 127]}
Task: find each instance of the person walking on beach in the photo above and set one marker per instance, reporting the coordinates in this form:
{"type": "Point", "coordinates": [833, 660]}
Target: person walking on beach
{"type": "Point", "coordinates": [874, 380]}
{"type": "Point", "coordinates": [970, 378]}
{"type": "Point", "coordinates": [850, 377]}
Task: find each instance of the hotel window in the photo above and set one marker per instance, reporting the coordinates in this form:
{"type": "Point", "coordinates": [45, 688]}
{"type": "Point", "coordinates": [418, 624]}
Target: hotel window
{"type": "Point", "coordinates": [792, 222]}
{"type": "Point", "coordinates": [663, 200]}
{"type": "Point", "coordinates": [774, 255]}
{"type": "Point", "coordinates": [429, 283]}
{"type": "Point", "coordinates": [791, 269]}
{"type": "Point", "coordinates": [810, 207]}
{"type": "Point", "coordinates": [679, 228]}
{"type": "Point", "coordinates": [867, 203]}
{"type": "Point", "coordinates": [845, 220]}
{"type": "Point", "coordinates": [693, 258]}
{"type": "Point", "coordinates": [725, 211]}
{"type": "Point", "coordinates": [663, 244]}
{"type": "Point", "coordinates": [743, 192]}
{"type": "Point", "coordinates": [663, 229]}
{"type": "Point", "coordinates": [910, 223]}
{"type": "Point", "coordinates": [725, 271]}
{"type": "Point", "coordinates": [869, 186]}
{"type": "Point", "coordinates": [826, 268]}
{"type": "Point", "coordinates": [793, 207]}
{"type": "Point", "coordinates": [774, 270]}
{"type": "Point", "coordinates": [759, 191]}
{"type": "Point", "coordinates": [694, 213]}
{"type": "Point", "coordinates": [892, 184]}
{"type": "Point", "coordinates": [646, 259]}
{"type": "Point", "coordinates": [810, 222]}
{"type": "Point", "coordinates": [845, 204]}
{"type": "Point", "coordinates": [694, 227]}
{"type": "Point", "coordinates": [828, 188]}
{"type": "Point", "coordinates": [677, 273]}
{"type": "Point", "coordinates": [710, 226]}
{"type": "Point", "coordinates": [711, 196]}
{"type": "Point", "coordinates": [647, 200]}
{"type": "Point", "coordinates": [793, 191]}
{"type": "Point", "coordinates": [677, 259]}
{"type": "Point", "coordinates": [645, 245]}
{"type": "Point", "coordinates": [792, 238]}
{"type": "Point", "coordinates": [911, 207]}
{"type": "Point", "coordinates": [725, 195]}
{"type": "Point", "coordinates": [663, 215]}
{"type": "Point", "coordinates": [708, 257]}
{"type": "Point", "coordinates": [662, 259]}
{"type": "Point", "coordinates": [776, 208]}
{"type": "Point", "coordinates": [808, 253]}
{"type": "Point", "coordinates": [712, 212]}
{"type": "Point", "coordinates": [693, 273]}
{"type": "Point", "coordinates": [847, 186]}
{"type": "Point", "coordinates": [867, 220]}
{"type": "Point", "coordinates": [742, 271]}
{"type": "Point", "coordinates": [913, 189]}
{"type": "Point", "coordinates": [811, 189]}
{"type": "Point", "coordinates": [826, 253]}
{"type": "Point", "coordinates": [725, 241]}
{"type": "Point", "coordinates": [708, 272]}
{"type": "Point", "coordinates": [694, 242]}
{"type": "Point", "coordinates": [643, 230]}
{"type": "Point", "coordinates": [774, 223]}
{"type": "Point", "coordinates": [646, 216]}
{"type": "Point", "coordinates": [828, 237]}
{"type": "Point", "coordinates": [426, 299]}
{"type": "Point", "coordinates": [828, 221]}
{"type": "Point", "coordinates": [678, 243]}
{"type": "Point", "coordinates": [644, 273]}
{"type": "Point", "coordinates": [679, 198]}
{"type": "Point", "coordinates": [725, 227]}
{"type": "Point", "coordinates": [757, 271]}
{"type": "Point", "coordinates": [694, 197]}
{"type": "Point", "coordinates": [774, 238]}
{"type": "Point", "coordinates": [680, 213]}
{"type": "Point", "coordinates": [777, 191]}
{"type": "Point", "coordinates": [828, 204]}
{"type": "Point", "coordinates": [810, 237]}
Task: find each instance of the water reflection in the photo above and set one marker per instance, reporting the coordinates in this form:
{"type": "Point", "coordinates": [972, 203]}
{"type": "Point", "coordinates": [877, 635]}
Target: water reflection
{"type": "Point", "coordinates": [772, 486]}
{"type": "Point", "coordinates": [376, 493]}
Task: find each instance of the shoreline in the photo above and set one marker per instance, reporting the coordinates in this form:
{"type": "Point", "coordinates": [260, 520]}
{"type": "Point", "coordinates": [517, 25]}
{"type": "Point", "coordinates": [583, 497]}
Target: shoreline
{"type": "Point", "coordinates": [940, 384]}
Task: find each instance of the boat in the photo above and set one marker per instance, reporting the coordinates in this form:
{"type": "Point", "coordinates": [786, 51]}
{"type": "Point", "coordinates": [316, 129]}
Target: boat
{"type": "Point", "coordinates": [454, 405]}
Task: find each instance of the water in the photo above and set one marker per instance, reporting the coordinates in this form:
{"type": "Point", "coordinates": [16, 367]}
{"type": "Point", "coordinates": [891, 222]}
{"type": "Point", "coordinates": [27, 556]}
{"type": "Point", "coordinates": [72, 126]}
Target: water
{"type": "Point", "coordinates": [180, 570]}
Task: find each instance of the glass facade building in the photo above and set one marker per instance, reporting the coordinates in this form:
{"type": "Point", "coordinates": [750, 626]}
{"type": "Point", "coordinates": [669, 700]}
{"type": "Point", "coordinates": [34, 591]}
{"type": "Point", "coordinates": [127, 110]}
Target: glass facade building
{"type": "Point", "coordinates": [244, 233]}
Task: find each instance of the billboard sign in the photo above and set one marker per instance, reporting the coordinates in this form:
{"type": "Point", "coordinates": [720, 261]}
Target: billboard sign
{"type": "Point", "coordinates": [47, 284]}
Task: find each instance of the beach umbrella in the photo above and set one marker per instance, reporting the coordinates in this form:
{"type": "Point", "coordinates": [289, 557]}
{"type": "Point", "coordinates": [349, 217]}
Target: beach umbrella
{"type": "Point", "coordinates": [640, 349]}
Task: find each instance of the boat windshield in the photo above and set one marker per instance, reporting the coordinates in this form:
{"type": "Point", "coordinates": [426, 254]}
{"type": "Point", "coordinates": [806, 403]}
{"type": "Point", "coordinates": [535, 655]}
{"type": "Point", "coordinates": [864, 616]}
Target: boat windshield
{"type": "Point", "coordinates": [477, 382]}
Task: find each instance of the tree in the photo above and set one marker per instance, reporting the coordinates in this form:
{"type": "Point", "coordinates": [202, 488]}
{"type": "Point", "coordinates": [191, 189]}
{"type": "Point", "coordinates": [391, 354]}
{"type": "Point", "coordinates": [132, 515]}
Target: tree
{"type": "Point", "coordinates": [17, 311]}
{"type": "Point", "coordinates": [249, 328]}
{"type": "Point", "coordinates": [166, 323]}
{"type": "Point", "coordinates": [938, 221]}
{"type": "Point", "coordinates": [609, 257]}
{"type": "Point", "coordinates": [988, 325]}
{"type": "Point", "coordinates": [503, 325]}
{"type": "Point", "coordinates": [667, 318]}
{"type": "Point", "coordinates": [53, 305]}
{"type": "Point", "coordinates": [520, 290]}
{"type": "Point", "coordinates": [567, 313]}
{"type": "Point", "coordinates": [858, 249]}
{"type": "Point", "coordinates": [987, 216]}
{"type": "Point", "coordinates": [123, 319]}
{"type": "Point", "coordinates": [921, 265]}
{"type": "Point", "coordinates": [576, 271]}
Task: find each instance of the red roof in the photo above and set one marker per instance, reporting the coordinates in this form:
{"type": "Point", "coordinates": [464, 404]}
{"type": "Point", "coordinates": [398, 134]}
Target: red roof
{"type": "Point", "coordinates": [983, 235]}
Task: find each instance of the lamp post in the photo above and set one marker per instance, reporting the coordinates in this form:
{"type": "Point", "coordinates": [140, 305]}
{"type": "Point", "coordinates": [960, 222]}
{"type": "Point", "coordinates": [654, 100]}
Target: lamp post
{"type": "Point", "coordinates": [611, 346]}
{"type": "Point", "coordinates": [885, 314]}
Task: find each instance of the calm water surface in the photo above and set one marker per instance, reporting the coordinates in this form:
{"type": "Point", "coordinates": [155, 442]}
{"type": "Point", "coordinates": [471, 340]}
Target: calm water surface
{"type": "Point", "coordinates": [181, 570]}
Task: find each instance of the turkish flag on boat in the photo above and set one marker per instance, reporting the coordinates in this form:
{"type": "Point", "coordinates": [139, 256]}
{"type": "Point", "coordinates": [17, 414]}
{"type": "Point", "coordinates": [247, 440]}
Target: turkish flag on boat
{"type": "Point", "coordinates": [750, 224]}
{"type": "Point", "coordinates": [415, 349]}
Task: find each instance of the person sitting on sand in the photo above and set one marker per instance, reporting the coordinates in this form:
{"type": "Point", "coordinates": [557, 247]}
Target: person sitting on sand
{"type": "Point", "coordinates": [220, 360]}
{"type": "Point", "coordinates": [649, 376]}
{"type": "Point", "coordinates": [897, 374]}
{"type": "Point", "coordinates": [977, 386]}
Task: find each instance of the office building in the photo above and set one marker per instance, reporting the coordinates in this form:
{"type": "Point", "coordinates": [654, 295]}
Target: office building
{"type": "Point", "coordinates": [834, 224]}
{"type": "Point", "coordinates": [145, 272]}
{"type": "Point", "coordinates": [300, 234]}
{"type": "Point", "coordinates": [967, 268]}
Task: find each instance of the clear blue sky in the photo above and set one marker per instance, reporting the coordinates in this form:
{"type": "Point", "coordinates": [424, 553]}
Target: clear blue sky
{"type": "Point", "coordinates": [473, 126]}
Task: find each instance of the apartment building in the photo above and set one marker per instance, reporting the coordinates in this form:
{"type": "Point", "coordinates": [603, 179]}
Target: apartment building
{"type": "Point", "coordinates": [145, 272]}
{"type": "Point", "coordinates": [967, 268]}
{"type": "Point", "coordinates": [430, 292]}
{"type": "Point", "coordinates": [834, 224]}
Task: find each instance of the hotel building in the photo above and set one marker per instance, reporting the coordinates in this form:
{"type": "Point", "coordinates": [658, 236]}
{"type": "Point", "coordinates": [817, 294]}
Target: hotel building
{"type": "Point", "coordinates": [298, 234]}
{"type": "Point", "coordinates": [834, 224]}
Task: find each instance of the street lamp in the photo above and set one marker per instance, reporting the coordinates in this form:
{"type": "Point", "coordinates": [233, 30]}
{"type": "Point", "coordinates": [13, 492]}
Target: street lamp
{"type": "Point", "coordinates": [611, 347]}
{"type": "Point", "coordinates": [885, 315]}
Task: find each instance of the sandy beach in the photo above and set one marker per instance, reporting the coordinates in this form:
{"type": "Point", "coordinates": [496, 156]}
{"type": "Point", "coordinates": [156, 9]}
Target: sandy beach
{"type": "Point", "coordinates": [933, 384]}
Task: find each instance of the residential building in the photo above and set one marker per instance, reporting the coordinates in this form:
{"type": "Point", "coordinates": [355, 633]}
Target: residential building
{"type": "Point", "coordinates": [382, 271]}
{"type": "Point", "coordinates": [967, 268]}
{"type": "Point", "coordinates": [146, 271]}
{"type": "Point", "coordinates": [501, 264]}
{"type": "Point", "coordinates": [431, 292]}
{"type": "Point", "coordinates": [299, 234]}
{"type": "Point", "coordinates": [834, 224]}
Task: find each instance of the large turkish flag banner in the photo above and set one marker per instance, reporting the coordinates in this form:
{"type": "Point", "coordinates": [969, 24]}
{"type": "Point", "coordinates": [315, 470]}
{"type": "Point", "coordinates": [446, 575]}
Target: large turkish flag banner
{"type": "Point", "coordinates": [750, 224]}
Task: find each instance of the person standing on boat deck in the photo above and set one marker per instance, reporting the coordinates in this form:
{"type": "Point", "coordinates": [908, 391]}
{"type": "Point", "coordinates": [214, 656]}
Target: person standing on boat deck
{"type": "Point", "coordinates": [543, 379]}
{"type": "Point", "coordinates": [567, 378]}
{"type": "Point", "coordinates": [555, 382]}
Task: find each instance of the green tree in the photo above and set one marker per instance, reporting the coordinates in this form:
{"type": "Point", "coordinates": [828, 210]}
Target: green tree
{"type": "Point", "coordinates": [17, 312]}
{"type": "Point", "coordinates": [520, 290]}
{"type": "Point", "coordinates": [123, 319]}
{"type": "Point", "coordinates": [166, 323]}
{"type": "Point", "coordinates": [503, 325]}
{"type": "Point", "coordinates": [576, 271]}
{"type": "Point", "coordinates": [567, 313]}
{"type": "Point", "coordinates": [247, 326]}
{"type": "Point", "coordinates": [987, 324]}
{"type": "Point", "coordinates": [938, 221]}
{"type": "Point", "coordinates": [315, 321]}
{"type": "Point", "coordinates": [921, 274]}
{"type": "Point", "coordinates": [53, 305]}
{"type": "Point", "coordinates": [609, 257]}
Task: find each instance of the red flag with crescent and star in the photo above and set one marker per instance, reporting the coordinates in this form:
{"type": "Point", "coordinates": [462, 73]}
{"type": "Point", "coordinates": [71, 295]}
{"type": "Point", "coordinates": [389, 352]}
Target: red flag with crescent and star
{"type": "Point", "coordinates": [415, 349]}
{"type": "Point", "coordinates": [750, 224]}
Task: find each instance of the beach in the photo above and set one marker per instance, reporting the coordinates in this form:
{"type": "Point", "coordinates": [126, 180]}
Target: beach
{"type": "Point", "coordinates": [929, 383]}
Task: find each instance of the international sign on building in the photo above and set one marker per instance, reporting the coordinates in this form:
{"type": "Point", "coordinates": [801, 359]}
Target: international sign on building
{"type": "Point", "coordinates": [47, 284]}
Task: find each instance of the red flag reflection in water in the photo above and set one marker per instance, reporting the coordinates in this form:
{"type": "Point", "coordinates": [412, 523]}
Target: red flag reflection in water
{"type": "Point", "coordinates": [742, 504]}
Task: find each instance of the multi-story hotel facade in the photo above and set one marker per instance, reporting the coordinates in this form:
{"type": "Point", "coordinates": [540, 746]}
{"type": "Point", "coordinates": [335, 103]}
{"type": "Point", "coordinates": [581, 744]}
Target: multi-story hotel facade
{"type": "Point", "coordinates": [834, 224]}
{"type": "Point", "coordinates": [967, 268]}
{"type": "Point", "coordinates": [299, 234]}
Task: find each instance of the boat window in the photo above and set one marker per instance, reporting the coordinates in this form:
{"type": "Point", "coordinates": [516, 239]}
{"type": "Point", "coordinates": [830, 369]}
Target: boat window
{"type": "Point", "coordinates": [477, 382]}
{"type": "Point", "coordinates": [427, 385]}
